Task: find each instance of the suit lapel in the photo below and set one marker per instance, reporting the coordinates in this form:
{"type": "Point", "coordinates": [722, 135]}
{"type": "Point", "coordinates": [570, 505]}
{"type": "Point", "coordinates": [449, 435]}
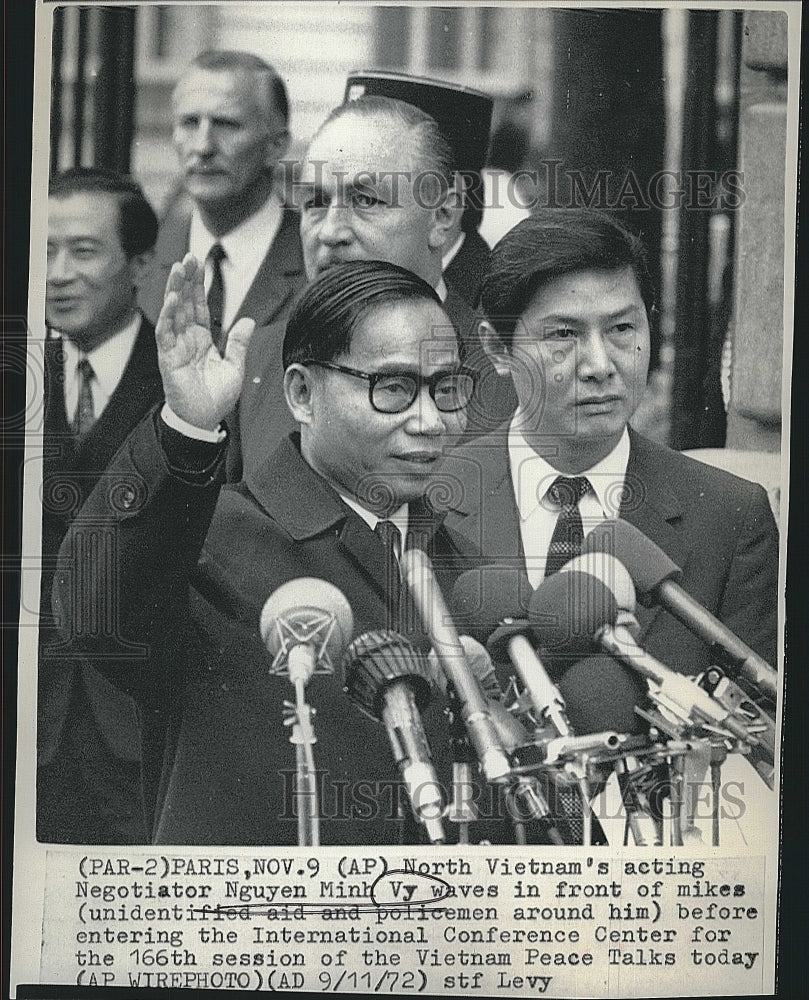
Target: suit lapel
{"type": "Point", "coordinates": [55, 417]}
{"type": "Point", "coordinates": [488, 512]}
{"type": "Point", "coordinates": [278, 278]}
{"type": "Point", "coordinates": [651, 506]}
{"type": "Point", "coordinates": [649, 503]}
{"type": "Point", "coordinates": [286, 475]}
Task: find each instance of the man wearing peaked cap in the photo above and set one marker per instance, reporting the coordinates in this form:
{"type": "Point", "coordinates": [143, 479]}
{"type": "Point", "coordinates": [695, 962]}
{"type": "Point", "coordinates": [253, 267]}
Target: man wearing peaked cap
{"type": "Point", "coordinates": [464, 117]}
{"type": "Point", "coordinates": [376, 183]}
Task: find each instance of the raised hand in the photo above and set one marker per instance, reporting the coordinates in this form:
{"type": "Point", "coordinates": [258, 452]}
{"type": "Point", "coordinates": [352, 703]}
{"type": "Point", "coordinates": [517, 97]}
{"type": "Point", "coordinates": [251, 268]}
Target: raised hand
{"type": "Point", "coordinates": [200, 386]}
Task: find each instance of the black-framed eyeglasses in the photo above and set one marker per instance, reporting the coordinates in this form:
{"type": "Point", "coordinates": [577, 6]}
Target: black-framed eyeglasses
{"type": "Point", "coordinates": [394, 392]}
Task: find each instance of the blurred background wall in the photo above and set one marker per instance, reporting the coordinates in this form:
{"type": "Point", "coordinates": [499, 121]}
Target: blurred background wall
{"type": "Point", "coordinates": [654, 114]}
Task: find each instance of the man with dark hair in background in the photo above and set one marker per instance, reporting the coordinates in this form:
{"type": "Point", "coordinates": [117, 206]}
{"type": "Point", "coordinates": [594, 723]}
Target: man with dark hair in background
{"type": "Point", "coordinates": [569, 304]}
{"type": "Point", "coordinates": [231, 116]}
{"type": "Point", "coordinates": [101, 377]}
{"type": "Point", "coordinates": [377, 183]}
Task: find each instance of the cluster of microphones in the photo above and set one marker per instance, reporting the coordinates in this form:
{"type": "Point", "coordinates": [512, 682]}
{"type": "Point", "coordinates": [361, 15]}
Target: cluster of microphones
{"type": "Point", "coordinates": [582, 694]}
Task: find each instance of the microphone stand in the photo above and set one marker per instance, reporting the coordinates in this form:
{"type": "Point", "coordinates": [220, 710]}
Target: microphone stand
{"type": "Point", "coordinates": [300, 716]}
{"type": "Point", "coordinates": [462, 811]}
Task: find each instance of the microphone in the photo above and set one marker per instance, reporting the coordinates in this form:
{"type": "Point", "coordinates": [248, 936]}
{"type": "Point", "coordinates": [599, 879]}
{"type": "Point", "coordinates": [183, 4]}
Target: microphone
{"type": "Point", "coordinates": [595, 591]}
{"type": "Point", "coordinates": [687, 700]}
{"type": "Point", "coordinates": [430, 604]}
{"type": "Point", "coordinates": [305, 624]}
{"type": "Point", "coordinates": [485, 598]}
{"type": "Point", "coordinates": [489, 596]}
{"type": "Point", "coordinates": [510, 731]}
{"type": "Point", "coordinates": [494, 601]}
{"type": "Point", "coordinates": [480, 663]}
{"type": "Point", "coordinates": [567, 612]}
{"type": "Point", "coordinates": [390, 682]}
{"type": "Point", "coordinates": [656, 578]}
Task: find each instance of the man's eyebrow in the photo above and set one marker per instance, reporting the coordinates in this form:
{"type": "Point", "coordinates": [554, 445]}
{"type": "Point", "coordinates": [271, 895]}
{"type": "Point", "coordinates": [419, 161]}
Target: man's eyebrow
{"type": "Point", "coordinates": [630, 308]}
{"type": "Point", "coordinates": [389, 369]}
{"type": "Point", "coordinates": [557, 318]}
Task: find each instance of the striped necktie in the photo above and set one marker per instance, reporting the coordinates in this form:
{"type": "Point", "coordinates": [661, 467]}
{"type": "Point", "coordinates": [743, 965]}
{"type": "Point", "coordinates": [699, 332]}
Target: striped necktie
{"type": "Point", "coordinates": [568, 535]}
{"type": "Point", "coordinates": [216, 296]}
{"type": "Point", "coordinates": [85, 415]}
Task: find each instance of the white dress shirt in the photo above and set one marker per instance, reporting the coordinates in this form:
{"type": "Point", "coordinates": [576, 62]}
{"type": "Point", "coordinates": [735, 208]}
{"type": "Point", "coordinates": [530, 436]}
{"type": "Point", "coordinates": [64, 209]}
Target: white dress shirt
{"type": "Point", "coordinates": [452, 253]}
{"type": "Point", "coordinates": [398, 517]}
{"type": "Point", "coordinates": [108, 361]}
{"type": "Point", "coordinates": [245, 247]}
{"type": "Point", "coordinates": [532, 477]}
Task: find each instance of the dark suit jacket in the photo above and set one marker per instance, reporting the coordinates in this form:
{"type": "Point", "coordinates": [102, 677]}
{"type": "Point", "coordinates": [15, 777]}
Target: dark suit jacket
{"type": "Point", "coordinates": [71, 471]}
{"type": "Point", "coordinates": [718, 528]}
{"type": "Point", "coordinates": [214, 739]}
{"type": "Point", "coordinates": [265, 420]}
{"type": "Point", "coordinates": [467, 269]}
{"type": "Point", "coordinates": [277, 280]}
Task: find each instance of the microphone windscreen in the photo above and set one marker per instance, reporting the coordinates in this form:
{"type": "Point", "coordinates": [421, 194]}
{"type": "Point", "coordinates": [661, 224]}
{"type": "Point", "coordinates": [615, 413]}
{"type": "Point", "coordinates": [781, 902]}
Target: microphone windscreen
{"type": "Point", "coordinates": [601, 694]}
{"type": "Point", "coordinates": [375, 660]}
{"type": "Point", "coordinates": [307, 610]}
{"type": "Point", "coordinates": [647, 563]}
{"type": "Point", "coordinates": [610, 571]}
{"type": "Point", "coordinates": [566, 612]}
{"type": "Point", "coordinates": [485, 597]}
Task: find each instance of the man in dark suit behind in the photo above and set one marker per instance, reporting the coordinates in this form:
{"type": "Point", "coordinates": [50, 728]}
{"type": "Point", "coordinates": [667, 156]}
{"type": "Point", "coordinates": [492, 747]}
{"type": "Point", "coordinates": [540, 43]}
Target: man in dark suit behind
{"type": "Point", "coordinates": [372, 377]}
{"type": "Point", "coordinates": [464, 117]}
{"type": "Point", "coordinates": [101, 376]}
{"type": "Point", "coordinates": [376, 183]}
{"type": "Point", "coordinates": [231, 113]}
{"type": "Point", "coordinates": [569, 304]}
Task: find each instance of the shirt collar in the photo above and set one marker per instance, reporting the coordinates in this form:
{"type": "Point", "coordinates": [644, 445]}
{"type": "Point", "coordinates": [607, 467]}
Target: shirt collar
{"type": "Point", "coordinates": [108, 359]}
{"type": "Point", "coordinates": [441, 289]}
{"type": "Point", "coordinates": [452, 253]}
{"type": "Point", "coordinates": [240, 243]}
{"type": "Point", "coordinates": [532, 475]}
{"type": "Point", "coordinates": [398, 517]}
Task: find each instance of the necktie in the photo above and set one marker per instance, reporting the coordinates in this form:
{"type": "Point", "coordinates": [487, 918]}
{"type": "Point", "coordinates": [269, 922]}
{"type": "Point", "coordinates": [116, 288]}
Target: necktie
{"type": "Point", "coordinates": [568, 535]}
{"type": "Point", "coordinates": [391, 539]}
{"type": "Point", "coordinates": [216, 296]}
{"type": "Point", "coordinates": [85, 411]}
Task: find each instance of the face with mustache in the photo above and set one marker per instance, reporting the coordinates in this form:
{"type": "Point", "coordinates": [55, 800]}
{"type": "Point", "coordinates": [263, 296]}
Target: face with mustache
{"type": "Point", "coordinates": [227, 134]}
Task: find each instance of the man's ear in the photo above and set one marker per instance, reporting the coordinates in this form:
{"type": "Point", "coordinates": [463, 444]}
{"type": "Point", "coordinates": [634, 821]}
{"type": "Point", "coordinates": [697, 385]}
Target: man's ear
{"type": "Point", "coordinates": [139, 267]}
{"type": "Point", "coordinates": [299, 384]}
{"type": "Point", "coordinates": [447, 216]}
{"type": "Point", "coordinates": [277, 146]}
{"type": "Point", "coordinates": [496, 350]}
